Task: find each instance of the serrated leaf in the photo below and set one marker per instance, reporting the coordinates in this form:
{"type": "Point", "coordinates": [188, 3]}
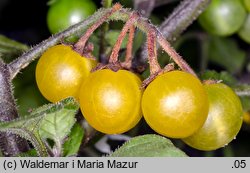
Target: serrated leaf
{"type": "Point", "coordinates": [226, 53]}
{"type": "Point", "coordinates": [111, 38]}
{"type": "Point", "coordinates": [148, 146]}
{"type": "Point", "coordinates": [34, 118]}
{"type": "Point", "coordinates": [72, 145]}
{"type": "Point", "coordinates": [27, 126]}
{"type": "Point", "coordinates": [57, 124]}
{"type": "Point", "coordinates": [68, 103]}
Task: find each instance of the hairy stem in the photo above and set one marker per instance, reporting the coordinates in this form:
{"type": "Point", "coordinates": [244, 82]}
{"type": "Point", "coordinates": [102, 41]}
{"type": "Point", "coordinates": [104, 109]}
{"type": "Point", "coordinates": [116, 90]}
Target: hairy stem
{"type": "Point", "coordinates": [10, 144]}
{"type": "Point", "coordinates": [80, 45]}
{"type": "Point", "coordinates": [57, 150]}
{"type": "Point", "coordinates": [129, 49]}
{"type": "Point", "coordinates": [18, 64]}
{"type": "Point", "coordinates": [152, 53]}
{"type": "Point", "coordinates": [173, 54]}
{"type": "Point", "coordinates": [175, 25]}
{"type": "Point", "coordinates": [114, 54]}
{"type": "Point", "coordinates": [145, 26]}
{"type": "Point", "coordinates": [35, 52]}
{"type": "Point", "coordinates": [202, 39]}
{"type": "Point", "coordinates": [182, 17]}
{"type": "Point", "coordinates": [145, 7]}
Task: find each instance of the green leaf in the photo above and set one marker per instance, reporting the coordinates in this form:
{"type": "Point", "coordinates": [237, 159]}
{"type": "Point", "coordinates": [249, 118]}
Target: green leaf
{"type": "Point", "coordinates": [112, 36]}
{"type": "Point", "coordinates": [148, 146]}
{"type": "Point", "coordinates": [31, 136]}
{"type": "Point", "coordinates": [226, 53]}
{"type": "Point", "coordinates": [30, 153]}
{"type": "Point", "coordinates": [224, 76]}
{"type": "Point", "coordinates": [57, 124]}
{"type": "Point", "coordinates": [12, 44]}
{"type": "Point", "coordinates": [10, 47]}
{"type": "Point", "coordinates": [27, 126]}
{"type": "Point", "coordinates": [72, 145]}
{"type": "Point", "coordinates": [245, 101]}
{"type": "Point", "coordinates": [68, 103]}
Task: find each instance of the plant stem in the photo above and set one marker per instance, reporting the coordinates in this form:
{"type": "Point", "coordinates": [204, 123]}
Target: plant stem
{"type": "Point", "coordinates": [57, 150]}
{"type": "Point", "coordinates": [176, 24]}
{"type": "Point", "coordinates": [145, 7]}
{"type": "Point", "coordinates": [145, 26]}
{"type": "Point", "coordinates": [114, 54]}
{"type": "Point", "coordinates": [182, 17]}
{"type": "Point", "coordinates": [10, 144]}
{"type": "Point", "coordinates": [173, 54]}
{"type": "Point", "coordinates": [37, 142]}
{"type": "Point", "coordinates": [24, 60]}
{"type": "Point", "coordinates": [152, 53]}
{"type": "Point", "coordinates": [35, 52]}
{"type": "Point", "coordinates": [129, 49]}
{"type": "Point", "coordinates": [80, 45]}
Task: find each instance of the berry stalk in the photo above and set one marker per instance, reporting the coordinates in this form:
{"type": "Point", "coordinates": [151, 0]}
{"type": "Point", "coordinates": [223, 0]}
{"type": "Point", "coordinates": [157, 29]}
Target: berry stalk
{"type": "Point", "coordinates": [80, 45]}
{"type": "Point", "coordinates": [130, 22]}
{"type": "Point", "coordinates": [174, 55]}
{"type": "Point", "coordinates": [152, 52]}
{"type": "Point", "coordinates": [129, 49]}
